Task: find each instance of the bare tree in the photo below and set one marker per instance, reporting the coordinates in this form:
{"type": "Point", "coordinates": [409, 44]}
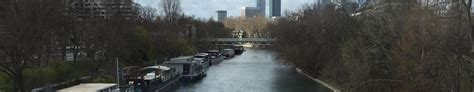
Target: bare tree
{"type": "Point", "coordinates": [401, 45]}
{"type": "Point", "coordinates": [468, 10]}
{"type": "Point", "coordinates": [255, 26]}
{"type": "Point", "coordinates": [27, 26]}
{"type": "Point", "coordinates": [171, 9]}
{"type": "Point", "coordinates": [148, 13]}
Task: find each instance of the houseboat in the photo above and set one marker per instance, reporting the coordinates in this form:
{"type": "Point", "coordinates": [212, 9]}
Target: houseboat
{"type": "Point", "coordinates": [205, 59]}
{"type": "Point", "coordinates": [216, 56]}
{"type": "Point", "coordinates": [205, 64]}
{"type": "Point", "coordinates": [228, 53]}
{"type": "Point", "coordinates": [190, 69]}
{"type": "Point", "coordinates": [238, 49]}
{"type": "Point", "coordinates": [151, 78]}
{"type": "Point", "coordinates": [160, 73]}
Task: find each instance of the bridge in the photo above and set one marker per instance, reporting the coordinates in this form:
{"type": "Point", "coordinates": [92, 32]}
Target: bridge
{"type": "Point", "coordinates": [247, 42]}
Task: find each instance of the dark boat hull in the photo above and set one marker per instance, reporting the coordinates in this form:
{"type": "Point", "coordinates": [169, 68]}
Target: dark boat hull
{"type": "Point", "coordinates": [238, 52]}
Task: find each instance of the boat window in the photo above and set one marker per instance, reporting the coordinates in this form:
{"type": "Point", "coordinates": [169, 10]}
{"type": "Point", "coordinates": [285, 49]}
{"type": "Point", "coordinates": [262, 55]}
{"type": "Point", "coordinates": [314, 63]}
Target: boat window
{"type": "Point", "coordinates": [213, 54]}
{"type": "Point", "coordinates": [197, 68]}
{"type": "Point", "coordinates": [186, 69]}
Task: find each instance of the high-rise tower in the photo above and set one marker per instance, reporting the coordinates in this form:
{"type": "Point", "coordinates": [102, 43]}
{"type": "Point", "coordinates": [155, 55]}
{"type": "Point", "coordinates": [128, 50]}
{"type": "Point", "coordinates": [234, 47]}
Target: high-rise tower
{"type": "Point", "coordinates": [221, 15]}
{"type": "Point", "coordinates": [261, 7]}
{"type": "Point", "coordinates": [249, 12]}
{"type": "Point", "coordinates": [275, 8]}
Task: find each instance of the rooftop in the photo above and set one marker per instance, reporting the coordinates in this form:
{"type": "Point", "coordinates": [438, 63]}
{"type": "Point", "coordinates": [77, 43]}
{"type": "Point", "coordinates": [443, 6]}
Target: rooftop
{"type": "Point", "coordinates": [181, 60]}
{"type": "Point", "coordinates": [157, 67]}
{"type": "Point", "coordinates": [88, 87]}
{"type": "Point", "coordinates": [202, 54]}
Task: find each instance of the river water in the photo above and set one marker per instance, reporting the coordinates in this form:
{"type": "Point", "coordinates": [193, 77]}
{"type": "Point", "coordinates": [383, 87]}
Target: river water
{"type": "Point", "coordinates": [254, 71]}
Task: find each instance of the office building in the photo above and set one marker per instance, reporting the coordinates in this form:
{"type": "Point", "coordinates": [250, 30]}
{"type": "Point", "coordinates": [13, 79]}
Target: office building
{"type": "Point", "coordinates": [260, 4]}
{"type": "Point", "coordinates": [221, 15]}
{"type": "Point", "coordinates": [248, 12]}
{"type": "Point", "coordinates": [103, 9]}
{"type": "Point", "coordinates": [275, 8]}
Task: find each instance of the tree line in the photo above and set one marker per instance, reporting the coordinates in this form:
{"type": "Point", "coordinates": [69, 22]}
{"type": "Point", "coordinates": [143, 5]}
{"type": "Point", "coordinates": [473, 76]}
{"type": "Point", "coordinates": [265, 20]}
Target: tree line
{"type": "Point", "coordinates": [253, 27]}
{"type": "Point", "coordinates": [382, 46]}
{"type": "Point", "coordinates": [34, 34]}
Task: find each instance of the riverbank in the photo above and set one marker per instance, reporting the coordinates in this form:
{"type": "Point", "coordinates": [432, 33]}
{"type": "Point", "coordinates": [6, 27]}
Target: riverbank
{"type": "Point", "coordinates": [334, 89]}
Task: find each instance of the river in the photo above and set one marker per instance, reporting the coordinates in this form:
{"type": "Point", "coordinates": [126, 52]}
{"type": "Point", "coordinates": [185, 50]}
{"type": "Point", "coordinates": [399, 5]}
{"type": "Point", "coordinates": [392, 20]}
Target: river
{"type": "Point", "coordinates": [254, 71]}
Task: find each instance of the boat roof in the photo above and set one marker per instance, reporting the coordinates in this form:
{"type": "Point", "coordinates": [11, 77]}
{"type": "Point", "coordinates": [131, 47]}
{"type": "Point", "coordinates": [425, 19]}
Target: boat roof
{"type": "Point", "coordinates": [199, 59]}
{"type": "Point", "coordinates": [157, 67]}
{"type": "Point", "coordinates": [202, 54]}
{"type": "Point", "coordinates": [216, 51]}
{"type": "Point", "coordinates": [150, 76]}
{"type": "Point", "coordinates": [88, 87]}
{"type": "Point", "coordinates": [180, 62]}
{"type": "Point", "coordinates": [182, 58]}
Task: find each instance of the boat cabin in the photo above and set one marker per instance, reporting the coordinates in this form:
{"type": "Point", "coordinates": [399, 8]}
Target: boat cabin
{"type": "Point", "coordinates": [216, 56]}
{"type": "Point", "coordinates": [204, 58]}
{"type": "Point", "coordinates": [189, 68]}
{"type": "Point", "coordinates": [157, 72]}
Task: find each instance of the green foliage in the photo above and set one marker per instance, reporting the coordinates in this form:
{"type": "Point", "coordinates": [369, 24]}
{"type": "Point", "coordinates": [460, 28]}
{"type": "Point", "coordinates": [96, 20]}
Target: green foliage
{"type": "Point", "coordinates": [104, 79]}
{"type": "Point", "coordinates": [144, 39]}
{"type": "Point", "coordinates": [168, 43]}
{"type": "Point", "coordinates": [347, 54]}
{"type": "Point", "coordinates": [55, 71]}
{"type": "Point", "coordinates": [5, 82]}
{"type": "Point", "coordinates": [213, 29]}
{"type": "Point", "coordinates": [184, 46]}
{"type": "Point", "coordinates": [139, 48]}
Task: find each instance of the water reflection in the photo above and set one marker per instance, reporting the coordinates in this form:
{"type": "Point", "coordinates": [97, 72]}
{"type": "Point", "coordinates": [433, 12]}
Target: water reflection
{"type": "Point", "coordinates": [254, 71]}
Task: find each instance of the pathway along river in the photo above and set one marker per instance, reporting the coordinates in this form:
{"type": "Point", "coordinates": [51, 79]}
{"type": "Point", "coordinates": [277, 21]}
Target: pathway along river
{"type": "Point", "coordinates": [254, 71]}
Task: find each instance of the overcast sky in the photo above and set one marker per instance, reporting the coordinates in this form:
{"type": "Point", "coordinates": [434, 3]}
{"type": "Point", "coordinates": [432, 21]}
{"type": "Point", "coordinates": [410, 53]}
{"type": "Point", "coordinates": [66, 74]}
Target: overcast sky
{"type": "Point", "coordinates": [208, 8]}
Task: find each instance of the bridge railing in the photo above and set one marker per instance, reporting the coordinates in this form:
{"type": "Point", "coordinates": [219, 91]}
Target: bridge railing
{"type": "Point", "coordinates": [238, 39]}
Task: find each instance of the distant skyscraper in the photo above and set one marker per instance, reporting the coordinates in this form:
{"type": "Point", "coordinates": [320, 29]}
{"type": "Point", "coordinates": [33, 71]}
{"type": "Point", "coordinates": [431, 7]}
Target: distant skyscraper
{"type": "Point", "coordinates": [261, 7]}
{"type": "Point", "coordinates": [250, 12]}
{"type": "Point", "coordinates": [221, 15]}
{"type": "Point", "coordinates": [275, 8]}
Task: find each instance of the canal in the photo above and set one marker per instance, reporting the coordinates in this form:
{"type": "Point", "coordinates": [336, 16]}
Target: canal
{"type": "Point", "coordinates": [254, 71]}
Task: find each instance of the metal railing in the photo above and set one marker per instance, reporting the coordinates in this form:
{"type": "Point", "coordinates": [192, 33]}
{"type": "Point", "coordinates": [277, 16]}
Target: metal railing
{"type": "Point", "coordinates": [238, 39]}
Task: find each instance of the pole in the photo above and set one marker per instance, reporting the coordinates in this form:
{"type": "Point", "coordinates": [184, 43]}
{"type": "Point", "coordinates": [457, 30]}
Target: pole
{"type": "Point", "coordinates": [118, 72]}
